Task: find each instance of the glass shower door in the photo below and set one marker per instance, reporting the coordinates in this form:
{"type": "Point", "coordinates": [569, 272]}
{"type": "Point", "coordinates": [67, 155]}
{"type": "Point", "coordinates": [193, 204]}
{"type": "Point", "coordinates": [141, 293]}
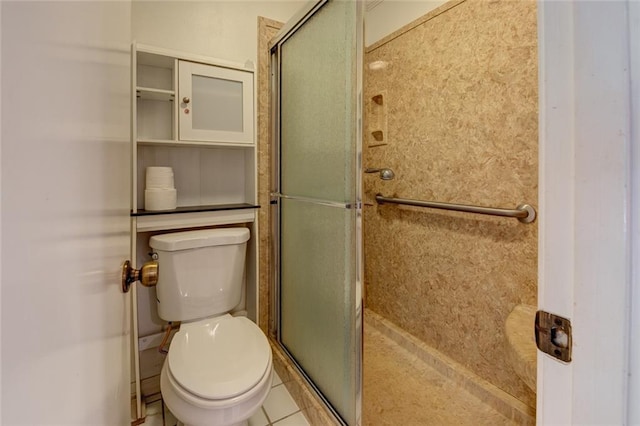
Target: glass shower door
{"type": "Point", "coordinates": [317, 70]}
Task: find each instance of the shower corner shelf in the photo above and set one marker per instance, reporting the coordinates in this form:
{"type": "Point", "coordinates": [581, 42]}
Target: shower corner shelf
{"type": "Point", "coordinates": [377, 134]}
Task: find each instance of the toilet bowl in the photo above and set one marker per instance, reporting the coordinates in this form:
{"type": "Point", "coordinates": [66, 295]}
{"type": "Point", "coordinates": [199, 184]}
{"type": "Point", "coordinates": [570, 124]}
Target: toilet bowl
{"type": "Point", "coordinates": [218, 372]}
{"type": "Point", "coordinates": [218, 368]}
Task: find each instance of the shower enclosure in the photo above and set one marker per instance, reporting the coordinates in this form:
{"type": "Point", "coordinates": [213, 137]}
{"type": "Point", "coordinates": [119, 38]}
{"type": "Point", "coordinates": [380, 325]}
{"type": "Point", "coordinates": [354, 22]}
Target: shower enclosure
{"type": "Point", "coordinates": [316, 199]}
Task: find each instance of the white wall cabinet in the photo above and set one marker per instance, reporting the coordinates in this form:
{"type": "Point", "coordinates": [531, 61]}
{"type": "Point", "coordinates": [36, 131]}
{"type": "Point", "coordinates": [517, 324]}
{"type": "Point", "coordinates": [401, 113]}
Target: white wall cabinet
{"type": "Point", "coordinates": [195, 115]}
{"type": "Point", "coordinates": [216, 104]}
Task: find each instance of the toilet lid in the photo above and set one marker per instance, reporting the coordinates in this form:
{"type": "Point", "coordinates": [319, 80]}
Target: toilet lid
{"type": "Point", "coordinates": [219, 358]}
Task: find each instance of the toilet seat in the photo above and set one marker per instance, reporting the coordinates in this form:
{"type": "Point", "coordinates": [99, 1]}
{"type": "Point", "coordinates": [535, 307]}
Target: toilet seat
{"type": "Point", "coordinates": [219, 358]}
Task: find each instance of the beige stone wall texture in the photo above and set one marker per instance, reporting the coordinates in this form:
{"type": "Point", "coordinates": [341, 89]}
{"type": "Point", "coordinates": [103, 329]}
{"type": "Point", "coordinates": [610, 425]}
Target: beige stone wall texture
{"type": "Point", "coordinates": [267, 29]}
{"type": "Point", "coordinates": [460, 118]}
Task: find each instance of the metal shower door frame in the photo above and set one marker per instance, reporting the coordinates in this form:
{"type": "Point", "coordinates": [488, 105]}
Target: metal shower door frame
{"type": "Point", "coordinates": [288, 30]}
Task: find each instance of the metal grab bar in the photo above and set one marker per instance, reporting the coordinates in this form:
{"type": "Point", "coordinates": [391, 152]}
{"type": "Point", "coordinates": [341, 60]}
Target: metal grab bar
{"type": "Point", "coordinates": [524, 212]}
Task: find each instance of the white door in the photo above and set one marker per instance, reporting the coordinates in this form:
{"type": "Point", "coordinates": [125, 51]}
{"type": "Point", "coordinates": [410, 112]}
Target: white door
{"type": "Point", "coordinates": [65, 207]}
{"type": "Point", "coordinates": [588, 207]}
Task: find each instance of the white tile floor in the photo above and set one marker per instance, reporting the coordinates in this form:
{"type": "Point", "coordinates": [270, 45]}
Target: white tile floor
{"type": "Point", "coordinates": [279, 409]}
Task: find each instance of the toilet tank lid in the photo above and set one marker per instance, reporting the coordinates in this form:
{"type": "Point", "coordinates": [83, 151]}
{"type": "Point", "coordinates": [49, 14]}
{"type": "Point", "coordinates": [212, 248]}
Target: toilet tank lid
{"type": "Point", "coordinates": [201, 238]}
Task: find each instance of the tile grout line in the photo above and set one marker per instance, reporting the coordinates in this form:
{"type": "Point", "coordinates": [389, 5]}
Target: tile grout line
{"type": "Point", "coordinates": [272, 423]}
{"type": "Point", "coordinates": [286, 417]}
{"type": "Point", "coordinates": [269, 423]}
{"type": "Point", "coordinates": [266, 415]}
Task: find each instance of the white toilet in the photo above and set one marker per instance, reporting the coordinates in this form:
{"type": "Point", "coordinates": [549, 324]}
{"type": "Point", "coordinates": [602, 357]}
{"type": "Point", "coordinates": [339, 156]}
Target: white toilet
{"type": "Point", "coordinates": [218, 369]}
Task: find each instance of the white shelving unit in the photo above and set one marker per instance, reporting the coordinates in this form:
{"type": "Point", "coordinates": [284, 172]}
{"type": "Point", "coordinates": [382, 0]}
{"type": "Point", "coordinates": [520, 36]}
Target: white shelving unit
{"type": "Point", "coordinates": [195, 115]}
{"type": "Point", "coordinates": [214, 166]}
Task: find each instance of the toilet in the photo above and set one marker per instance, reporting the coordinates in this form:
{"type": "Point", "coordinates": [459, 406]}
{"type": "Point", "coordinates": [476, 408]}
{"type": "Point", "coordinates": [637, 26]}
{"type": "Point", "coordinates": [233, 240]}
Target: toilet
{"type": "Point", "coordinates": [218, 369]}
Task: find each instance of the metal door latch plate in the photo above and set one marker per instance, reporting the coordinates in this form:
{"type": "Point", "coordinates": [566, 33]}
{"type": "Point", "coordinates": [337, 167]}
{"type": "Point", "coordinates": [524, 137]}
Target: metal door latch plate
{"type": "Point", "coordinates": [553, 335]}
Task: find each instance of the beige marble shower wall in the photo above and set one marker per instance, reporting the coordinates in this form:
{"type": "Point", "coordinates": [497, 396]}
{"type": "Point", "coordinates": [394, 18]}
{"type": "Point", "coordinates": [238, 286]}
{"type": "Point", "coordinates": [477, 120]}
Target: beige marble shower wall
{"type": "Point", "coordinates": [459, 117]}
{"type": "Point", "coordinates": [267, 29]}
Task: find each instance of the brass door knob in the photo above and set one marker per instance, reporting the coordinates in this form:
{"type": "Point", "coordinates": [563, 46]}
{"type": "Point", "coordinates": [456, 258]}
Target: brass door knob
{"type": "Point", "coordinates": [147, 275]}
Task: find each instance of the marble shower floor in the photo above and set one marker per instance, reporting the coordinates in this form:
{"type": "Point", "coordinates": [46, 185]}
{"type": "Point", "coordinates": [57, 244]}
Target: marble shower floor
{"type": "Point", "coordinates": [401, 389]}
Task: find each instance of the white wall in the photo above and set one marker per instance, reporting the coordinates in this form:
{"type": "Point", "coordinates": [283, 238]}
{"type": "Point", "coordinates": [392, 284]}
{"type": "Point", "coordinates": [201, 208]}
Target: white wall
{"type": "Point", "coordinates": [634, 353]}
{"type": "Point", "coordinates": [65, 202]}
{"type": "Point", "coordinates": [391, 15]}
{"type": "Point", "coordinates": [220, 29]}
{"type": "Point", "coordinates": [1, 364]}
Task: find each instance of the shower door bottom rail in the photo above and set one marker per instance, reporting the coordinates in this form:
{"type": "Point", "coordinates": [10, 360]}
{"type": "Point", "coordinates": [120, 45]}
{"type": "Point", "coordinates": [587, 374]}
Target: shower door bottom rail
{"type": "Point", "coordinates": [303, 374]}
{"type": "Point", "coordinates": [525, 213]}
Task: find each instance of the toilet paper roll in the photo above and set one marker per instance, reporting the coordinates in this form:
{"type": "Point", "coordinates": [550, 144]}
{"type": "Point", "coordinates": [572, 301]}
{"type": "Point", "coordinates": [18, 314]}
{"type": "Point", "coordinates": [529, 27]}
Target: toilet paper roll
{"type": "Point", "coordinates": [159, 178]}
{"type": "Point", "coordinates": [155, 182]}
{"type": "Point", "coordinates": [160, 199]}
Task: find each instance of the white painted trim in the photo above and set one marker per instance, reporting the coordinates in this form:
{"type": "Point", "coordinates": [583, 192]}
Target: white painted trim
{"type": "Point", "coordinates": [132, 236]}
{"type": "Point", "coordinates": [134, 320]}
{"type": "Point", "coordinates": [584, 251]}
{"type": "Point", "coordinates": [1, 218]}
{"type": "Point", "coordinates": [247, 66]}
{"type": "Point", "coordinates": [255, 198]}
{"type": "Point", "coordinates": [634, 350]}
{"type": "Point", "coordinates": [555, 198]}
{"type": "Point", "coordinates": [134, 131]}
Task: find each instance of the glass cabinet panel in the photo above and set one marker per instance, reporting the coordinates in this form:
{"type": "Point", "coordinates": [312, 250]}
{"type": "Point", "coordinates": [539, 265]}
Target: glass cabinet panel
{"type": "Point", "coordinates": [215, 103]}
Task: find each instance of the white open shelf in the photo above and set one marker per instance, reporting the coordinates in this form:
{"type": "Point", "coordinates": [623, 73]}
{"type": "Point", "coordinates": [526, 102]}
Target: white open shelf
{"type": "Point", "coordinates": [153, 94]}
{"type": "Point", "coordinates": [173, 142]}
{"type": "Point", "coordinates": [169, 221]}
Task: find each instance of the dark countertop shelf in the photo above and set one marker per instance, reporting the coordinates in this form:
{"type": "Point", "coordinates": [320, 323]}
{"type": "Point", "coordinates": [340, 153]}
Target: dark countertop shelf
{"type": "Point", "coordinates": [197, 209]}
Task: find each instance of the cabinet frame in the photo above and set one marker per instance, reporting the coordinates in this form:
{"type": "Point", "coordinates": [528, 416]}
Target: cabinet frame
{"type": "Point", "coordinates": [170, 59]}
{"type": "Point", "coordinates": [243, 214]}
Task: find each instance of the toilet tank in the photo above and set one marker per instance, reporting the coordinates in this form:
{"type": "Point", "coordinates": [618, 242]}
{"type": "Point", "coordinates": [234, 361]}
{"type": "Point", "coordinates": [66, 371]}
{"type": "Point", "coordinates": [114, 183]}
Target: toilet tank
{"type": "Point", "coordinates": [200, 273]}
